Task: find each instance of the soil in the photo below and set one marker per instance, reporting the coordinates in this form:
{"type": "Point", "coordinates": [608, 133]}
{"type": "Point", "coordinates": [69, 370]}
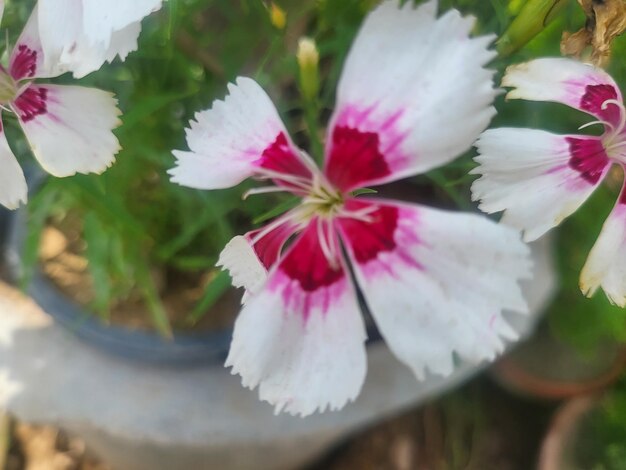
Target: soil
{"type": "Point", "coordinates": [62, 261]}
{"type": "Point", "coordinates": [46, 448]}
{"type": "Point", "coordinates": [478, 427]}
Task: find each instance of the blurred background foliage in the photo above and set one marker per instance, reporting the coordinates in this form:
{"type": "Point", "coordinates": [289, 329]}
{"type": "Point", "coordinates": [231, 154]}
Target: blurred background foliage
{"type": "Point", "coordinates": [132, 220]}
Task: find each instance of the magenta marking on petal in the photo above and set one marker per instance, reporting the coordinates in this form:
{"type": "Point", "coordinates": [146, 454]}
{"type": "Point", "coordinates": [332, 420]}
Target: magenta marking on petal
{"type": "Point", "coordinates": [594, 98]}
{"type": "Point", "coordinates": [351, 116]}
{"type": "Point", "coordinates": [304, 278]}
{"type": "Point", "coordinates": [32, 102]}
{"type": "Point", "coordinates": [269, 247]}
{"type": "Point", "coordinates": [307, 264]}
{"type": "Point", "coordinates": [355, 158]}
{"type": "Point", "coordinates": [557, 169]}
{"type": "Point", "coordinates": [587, 157]}
{"type": "Point", "coordinates": [24, 63]}
{"type": "Point", "coordinates": [280, 157]}
{"type": "Point", "coordinates": [369, 239]}
{"type": "Point", "coordinates": [389, 123]}
{"type": "Point", "coordinates": [382, 244]}
{"type": "Point", "coordinates": [300, 302]}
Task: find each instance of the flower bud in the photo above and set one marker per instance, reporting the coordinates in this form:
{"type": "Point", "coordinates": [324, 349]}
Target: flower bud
{"type": "Point", "coordinates": [532, 19]}
{"type": "Point", "coordinates": [308, 62]}
{"type": "Point", "coordinates": [278, 16]}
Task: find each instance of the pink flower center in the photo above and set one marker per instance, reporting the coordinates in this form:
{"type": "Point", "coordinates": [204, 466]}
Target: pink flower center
{"type": "Point", "coordinates": [590, 156]}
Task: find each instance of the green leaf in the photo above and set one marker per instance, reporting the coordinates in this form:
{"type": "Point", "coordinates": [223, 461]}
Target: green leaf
{"type": "Point", "coordinates": [160, 320]}
{"type": "Point", "coordinates": [91, 196]}
{"type": "Point", "coordinates": [211, 294]}
{"type": "Point", "coordinates": [440, 180]}
{"type": "Point", "coordinates": [149, 106]}
{"type": "Point", "coordinates": [278, 210]}
{"type": "Point", "coordinates": [211, 213]}
{"type": "Point", "coordinates": [97, 253]}
{"type": "Point", "coordinates": [358, 192]}
{"type": "Point", "coordinates": [38, 212]}
{"type": "Point", "coordinates": [193, 263]}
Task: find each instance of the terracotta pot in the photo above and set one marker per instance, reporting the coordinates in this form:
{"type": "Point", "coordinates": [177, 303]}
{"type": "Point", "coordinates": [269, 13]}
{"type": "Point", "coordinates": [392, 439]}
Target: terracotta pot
{"type": "Point", "coordinates": [556, 449]}
{"type": "Point", "coordinates": [547, 368]}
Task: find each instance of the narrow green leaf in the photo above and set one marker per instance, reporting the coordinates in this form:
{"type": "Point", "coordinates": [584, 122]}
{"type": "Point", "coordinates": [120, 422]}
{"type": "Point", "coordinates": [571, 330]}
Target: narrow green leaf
{"type": "Point", "coordinates": [358, 192]}
{"type": "Point", "coordinates": [158, 314]}
{"type": "Point", "coordinates": [211, 294]}
{"type": "Point", "coordinates": [278, 210]}
{"type": "Point", "coordinates": [38, 212]}
{"type": "Point", "coordinates": [192, 263]}
{"type": "Point", "coordinates": [107, 205]}
{"type": "Point", "coordinates": [189, 232]}
{"type": "Point", "coordinates": [97, 253]}
{"type": "Point", "coordinates": [151, 105]}
{"type": "Point", "coordinates": [440, 180]}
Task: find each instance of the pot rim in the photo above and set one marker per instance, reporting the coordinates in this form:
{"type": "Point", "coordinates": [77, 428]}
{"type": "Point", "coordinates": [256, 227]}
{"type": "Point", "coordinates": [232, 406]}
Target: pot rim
{"type": "Point", "coordinates": [562, 428]}
{"type": "Point", "coordinates": [143, 345]}
{"type": "Point", "coordinates": [508, 371]}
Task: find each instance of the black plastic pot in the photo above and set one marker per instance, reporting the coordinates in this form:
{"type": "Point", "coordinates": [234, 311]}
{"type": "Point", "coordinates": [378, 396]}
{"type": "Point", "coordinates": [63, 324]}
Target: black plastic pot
{"type": "Point", "coordinates": [188, 349]}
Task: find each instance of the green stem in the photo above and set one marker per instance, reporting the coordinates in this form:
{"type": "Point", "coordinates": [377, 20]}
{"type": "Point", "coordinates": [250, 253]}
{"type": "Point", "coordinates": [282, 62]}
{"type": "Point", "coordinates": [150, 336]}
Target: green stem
{"type": "Point", "coordinates": [311, 114]}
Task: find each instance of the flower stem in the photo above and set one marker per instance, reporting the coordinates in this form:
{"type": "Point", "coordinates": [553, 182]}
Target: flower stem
{"type": "Point", "coordinates": [311, 114]}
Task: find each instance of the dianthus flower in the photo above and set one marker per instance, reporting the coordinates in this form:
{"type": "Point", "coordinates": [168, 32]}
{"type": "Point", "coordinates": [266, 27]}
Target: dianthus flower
{"type": "Point", "coordinates": [69, 128]}
{"type": "Point", "coordinates": [413, 96]}
{"type": "Point", "coordinates": [539, 178]}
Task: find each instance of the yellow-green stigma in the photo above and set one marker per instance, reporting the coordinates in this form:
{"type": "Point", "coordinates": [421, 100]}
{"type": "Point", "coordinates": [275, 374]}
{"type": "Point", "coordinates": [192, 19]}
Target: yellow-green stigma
{"type": "Point", "coordinates": [8, 88]}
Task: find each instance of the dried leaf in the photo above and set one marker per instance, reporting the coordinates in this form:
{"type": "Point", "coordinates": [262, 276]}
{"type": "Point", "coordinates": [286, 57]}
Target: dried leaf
{"type": "Point", "coordinates": [606, 19]}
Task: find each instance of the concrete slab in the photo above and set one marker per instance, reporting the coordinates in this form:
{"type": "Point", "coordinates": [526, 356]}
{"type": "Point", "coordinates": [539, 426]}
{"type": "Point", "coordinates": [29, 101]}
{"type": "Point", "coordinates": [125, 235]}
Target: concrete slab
{"type": "Point", "coordinates": [139, 416]}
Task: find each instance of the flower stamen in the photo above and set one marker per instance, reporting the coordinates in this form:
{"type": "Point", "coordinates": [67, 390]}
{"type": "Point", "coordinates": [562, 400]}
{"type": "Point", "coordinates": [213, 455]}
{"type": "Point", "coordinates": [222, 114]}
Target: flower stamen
{"type": "Point", "coordinates": [615, 130]}
{"type": "Point", "coordinates": [593, 123]}
{"type": "Point", "coordinates": [286, 218]}
{"type": "Point", "coordinates": [362, 215]}
{"type": "Point", "coordinates": [300, 182]}
{"type": "Point", "coordinates": [263, 190]}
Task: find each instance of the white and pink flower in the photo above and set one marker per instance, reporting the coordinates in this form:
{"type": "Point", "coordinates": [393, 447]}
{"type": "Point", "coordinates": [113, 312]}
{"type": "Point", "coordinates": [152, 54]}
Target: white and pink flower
{"type": "Point", "coordinates": [539, 178]}
{"type": "Point", "coordinates": [414, 94]}
{"type": "Point", "coordinates": [69, 128]}
{"type": "Point", "coordinates": [80, 35]}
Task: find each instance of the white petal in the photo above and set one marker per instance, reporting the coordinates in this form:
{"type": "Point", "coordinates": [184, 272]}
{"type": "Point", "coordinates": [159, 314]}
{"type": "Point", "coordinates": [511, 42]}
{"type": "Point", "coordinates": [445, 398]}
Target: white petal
{"type": "Point", "coordinates": [80, 35]}
{"type": "Point", "coordinates": [102, 19]}
{"type": "Point", "coordinates": [240, 260]}
{"type": "Point", "coordinates": [566, 81]}
{"type": "Point", "coordinates": [606, 264]}
{"type": "Point", "coordinates": [249, 258]}
{"type": "Point", "coordinates": [69, 128]}
{"type": "Point", "coordinates": [13, 188]}
{"type": "Point", "coordinates": [531, 175]}
{"type": "Point", "coordinates": [58, 26]}
{"type": "Point", "coordinates": [123, 42]}
{"type": "Point", "coordinates": [301, 338]}
{"type": "Point", "coordinates": [419, 84]}
{"type": "Point", "coordinates": [27, 57]}
{"type": "Point", "coordinates": [437, 282]}
{"type": "Point", "coordinates": [234, 139]}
